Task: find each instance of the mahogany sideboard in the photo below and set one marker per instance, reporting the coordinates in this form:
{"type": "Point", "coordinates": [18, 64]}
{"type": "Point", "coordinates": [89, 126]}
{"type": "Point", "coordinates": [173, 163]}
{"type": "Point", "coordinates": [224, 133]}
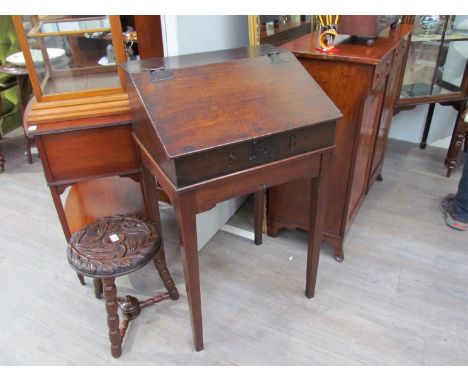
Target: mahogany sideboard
{"type": "Point", "coordinates": [364, 83]}
{"type": "Point", "coordinates": [213, 126]}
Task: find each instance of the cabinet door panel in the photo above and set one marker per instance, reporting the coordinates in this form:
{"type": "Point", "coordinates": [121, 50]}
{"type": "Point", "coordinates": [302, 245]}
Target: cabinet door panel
{"type": "Point", "coordinates": [391, 95]}
{"type": "Point", "coordinates": [370, 119]}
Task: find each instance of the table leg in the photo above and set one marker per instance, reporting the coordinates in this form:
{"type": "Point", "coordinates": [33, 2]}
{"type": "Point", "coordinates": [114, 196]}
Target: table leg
{"type": "Point", "coordinates": [186, 218]}
{"type": "Point", "coordinates": [2, 160]}
{"type": "Point", "coordinates": [427, 125]}
{"type": "Point", "coordinates": [318, 204]}
{"type": "Point", "coordinates": [259, 212]}
{"type": "Point", "coordinates": [21, 80]}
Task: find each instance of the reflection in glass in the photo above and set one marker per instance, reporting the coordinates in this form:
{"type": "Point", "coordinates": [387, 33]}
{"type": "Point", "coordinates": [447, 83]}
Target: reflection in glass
{"type": "Point", "coordinates": [278, 29]}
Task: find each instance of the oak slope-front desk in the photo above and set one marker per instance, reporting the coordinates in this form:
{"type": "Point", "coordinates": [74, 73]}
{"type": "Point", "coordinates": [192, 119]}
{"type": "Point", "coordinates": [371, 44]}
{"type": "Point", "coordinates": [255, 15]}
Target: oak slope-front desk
{"type": "Point", "coordinates": [364, 83]}
{"type": "Point", "coordinates": [213, 126]}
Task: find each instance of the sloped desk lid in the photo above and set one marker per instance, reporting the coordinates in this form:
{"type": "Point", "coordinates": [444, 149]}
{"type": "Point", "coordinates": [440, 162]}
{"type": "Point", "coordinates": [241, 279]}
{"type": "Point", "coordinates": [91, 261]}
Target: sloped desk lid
{"type": "Point", "coordinates": [210, 102]}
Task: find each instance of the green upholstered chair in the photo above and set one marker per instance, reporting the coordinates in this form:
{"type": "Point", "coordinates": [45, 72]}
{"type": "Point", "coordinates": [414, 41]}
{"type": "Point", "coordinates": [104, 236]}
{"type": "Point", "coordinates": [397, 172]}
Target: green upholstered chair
{"type": "Point", "coordinates": [9, 93]}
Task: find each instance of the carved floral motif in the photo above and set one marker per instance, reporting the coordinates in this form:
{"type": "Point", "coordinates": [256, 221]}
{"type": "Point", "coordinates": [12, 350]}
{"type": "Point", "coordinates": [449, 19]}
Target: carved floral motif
{"type": "Point", "coordinates": [113, 246]}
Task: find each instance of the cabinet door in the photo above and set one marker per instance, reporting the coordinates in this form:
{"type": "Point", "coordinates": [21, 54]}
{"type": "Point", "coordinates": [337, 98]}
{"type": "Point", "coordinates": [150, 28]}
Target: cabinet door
{"type": "Point", "coordinates": [387, 111]}
{"type": "Point", "coordinates": [370, 120]}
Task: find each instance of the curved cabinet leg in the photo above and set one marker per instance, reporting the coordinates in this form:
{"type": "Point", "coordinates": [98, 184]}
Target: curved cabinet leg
{"type": "Point", "coordinates": [272, 227]}
{"type": "Point", "coordinates": [337, 243]}
{"type": "Point", "coordinates": [339, 254]}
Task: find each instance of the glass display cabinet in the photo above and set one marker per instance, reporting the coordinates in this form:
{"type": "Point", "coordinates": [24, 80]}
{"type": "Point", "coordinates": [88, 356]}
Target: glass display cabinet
{"type": "Point", "coordinates": [79, 117]}
{"type": "Point", "coordinates": [436, 64]}
{"type": "Point", "coordinates": [436, 71]}
{"type": "Point", "coordinates": [71, 56]}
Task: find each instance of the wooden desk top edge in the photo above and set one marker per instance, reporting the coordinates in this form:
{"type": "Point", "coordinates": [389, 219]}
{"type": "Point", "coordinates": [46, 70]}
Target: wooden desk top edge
{"type": "Point", "coordinates": [196, 59]}
{"type": "Point", "coordinates": [349, 51]}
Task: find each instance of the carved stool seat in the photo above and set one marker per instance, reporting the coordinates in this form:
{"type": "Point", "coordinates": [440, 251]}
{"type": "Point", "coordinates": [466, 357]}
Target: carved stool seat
{"type": "Point", "coordinates": [114, 246]}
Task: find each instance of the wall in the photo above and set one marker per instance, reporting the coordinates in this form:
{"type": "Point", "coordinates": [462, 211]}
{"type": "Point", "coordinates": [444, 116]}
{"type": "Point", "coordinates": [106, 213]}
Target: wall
{"type": "Point", "coordinates": [194, 34]}
{"type": "Point", "coordinates": [206, 33]}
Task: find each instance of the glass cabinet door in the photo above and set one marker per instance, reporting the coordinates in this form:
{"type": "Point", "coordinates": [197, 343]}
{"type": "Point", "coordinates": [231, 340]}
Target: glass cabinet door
{"type": "Point", "coordinates": [71, 54]}
{"type": "Point", "coordinates": [437, 59]}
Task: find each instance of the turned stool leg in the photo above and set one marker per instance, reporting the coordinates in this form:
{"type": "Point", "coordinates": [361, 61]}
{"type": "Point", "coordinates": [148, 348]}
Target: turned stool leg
{"type": "Point", "coordinates": [81, 278]}
{"type": "Point", "coordinates": [110, 294]}
{"type": "Point", "coordinates": [97, 288]}
{"type": "Point", "coordinates": [160, 264]}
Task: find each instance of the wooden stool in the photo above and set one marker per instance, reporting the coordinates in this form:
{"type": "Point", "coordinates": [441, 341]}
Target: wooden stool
{"type": "Point", "coordinates": [114, 246]}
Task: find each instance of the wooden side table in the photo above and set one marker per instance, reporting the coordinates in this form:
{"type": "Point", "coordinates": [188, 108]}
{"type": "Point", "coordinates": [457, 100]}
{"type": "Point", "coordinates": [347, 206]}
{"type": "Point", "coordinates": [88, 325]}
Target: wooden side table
{"type": "Point", "coordinates": [21, 74]}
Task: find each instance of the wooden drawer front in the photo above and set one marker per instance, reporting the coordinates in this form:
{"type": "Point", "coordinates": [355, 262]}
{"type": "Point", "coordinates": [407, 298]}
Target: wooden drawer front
{"type": "Point", "coordinates": [382, 69]}
{"type": "Point", "coordinates": [201, 166]}
{"type": "Point", "coordinates": [89, 153]}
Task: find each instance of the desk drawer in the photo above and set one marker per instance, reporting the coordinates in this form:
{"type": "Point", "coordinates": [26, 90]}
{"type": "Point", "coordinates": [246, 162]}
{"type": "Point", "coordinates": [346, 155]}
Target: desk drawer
{"type": "Point", "coordinates": [82, 154]}
{"type": "Point", "coordinates": [205, 165]}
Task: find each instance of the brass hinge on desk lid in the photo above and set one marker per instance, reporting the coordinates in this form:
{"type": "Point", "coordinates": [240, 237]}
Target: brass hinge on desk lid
{"type": "Point", "coordinates": [160, 74]}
